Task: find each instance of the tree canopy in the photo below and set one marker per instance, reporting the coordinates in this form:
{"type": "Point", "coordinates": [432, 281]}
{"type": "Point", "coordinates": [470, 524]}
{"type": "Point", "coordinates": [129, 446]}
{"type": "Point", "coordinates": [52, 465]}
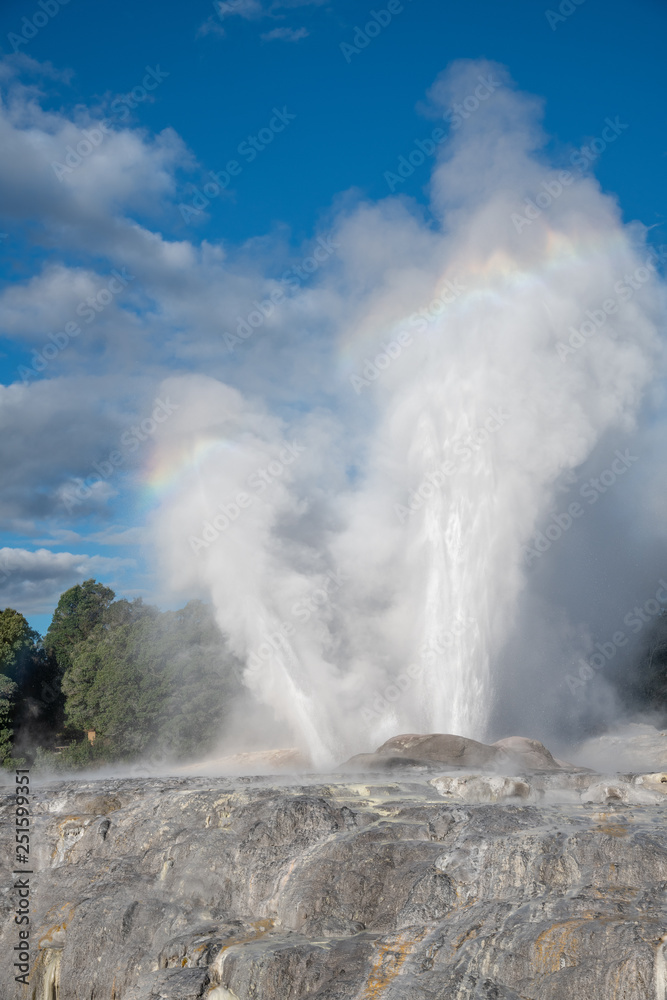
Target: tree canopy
{"type": "Point", "coordinates": [650, 681]}
{"type": "Point", "coordinates": [20, 656]}
{"type": "Point", "coordinates": [17, 643]}
{"type": "Point", "coordinates": [139, 678]}
{"type": "Point", "coordinates": [79, 610]}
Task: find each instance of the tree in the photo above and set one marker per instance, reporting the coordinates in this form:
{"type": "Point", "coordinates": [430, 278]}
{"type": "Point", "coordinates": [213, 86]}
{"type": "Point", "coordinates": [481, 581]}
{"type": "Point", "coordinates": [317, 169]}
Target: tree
{"type": "Point", "coordinates": [17, 644]}
{"type": "Point", "coordinates": [651, 680]}
{"type": "Point", "coordinates": [36, 701]}
{"type": "Point", "coordinates": [20, 662]}
{"type": "Point", "coordinates": [203, 678]}
{"type": "Point", "coordinates": [115, 683]}
{"type": "Point", "coordinates": [7, 709]}
{"type": "Point", "coordinates": [143, 679]}
{"type": "Point", "coordinates": [79, 610]}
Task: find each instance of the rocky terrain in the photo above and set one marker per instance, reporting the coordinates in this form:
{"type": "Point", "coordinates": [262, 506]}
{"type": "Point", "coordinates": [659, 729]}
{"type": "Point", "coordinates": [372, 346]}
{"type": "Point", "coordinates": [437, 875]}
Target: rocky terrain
{"type": "Point", "coordinates": [430, 870]}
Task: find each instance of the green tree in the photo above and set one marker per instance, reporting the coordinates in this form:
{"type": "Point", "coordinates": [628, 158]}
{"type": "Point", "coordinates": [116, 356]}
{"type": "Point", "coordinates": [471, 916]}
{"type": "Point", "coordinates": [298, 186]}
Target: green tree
{"type": "Point", "coordinates": [143, 679]}
{"type": "Point", "coordinates": [203, 680]}
{"type": "Point", "coordinates": [7, 709]}
{"type": "Point", "coordinates": [21, 658]}
{"type": "Point", "coordinates": [115, 683]}
{"type": "Point", "coordinates": [80, 609]}
{"type": "Point", "coordinates": [650, 683]}
{"type": "Point", "coordinates": [17, 644]}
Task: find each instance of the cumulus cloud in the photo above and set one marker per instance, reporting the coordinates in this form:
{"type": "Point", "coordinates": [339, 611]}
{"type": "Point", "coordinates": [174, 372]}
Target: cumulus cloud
{"type": "Point", "coordinates": [33, 581]}
{"type": "Point", "coordinates": [255, 10]}
{"type": "Point", "coordinates": [55, 431]}
{"type": "Point", "coordinates": [285, 35]}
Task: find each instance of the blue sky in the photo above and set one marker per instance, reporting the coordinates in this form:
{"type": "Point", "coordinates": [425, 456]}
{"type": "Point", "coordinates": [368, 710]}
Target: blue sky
{"type": "Point", "coordinates": [337, 120]}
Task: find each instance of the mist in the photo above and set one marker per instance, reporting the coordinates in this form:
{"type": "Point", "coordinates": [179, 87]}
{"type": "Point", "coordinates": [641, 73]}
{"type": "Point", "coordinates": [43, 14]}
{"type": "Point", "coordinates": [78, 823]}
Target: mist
{"type": "Point", "coordinates": [414, 547]}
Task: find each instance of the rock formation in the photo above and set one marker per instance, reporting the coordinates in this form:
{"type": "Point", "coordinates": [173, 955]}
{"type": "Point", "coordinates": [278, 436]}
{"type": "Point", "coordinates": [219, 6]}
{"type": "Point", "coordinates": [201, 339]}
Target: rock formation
{"type": "Point", "coordinates": [431, 883]}
{"type": "Point", "coordinates": [513, 755]}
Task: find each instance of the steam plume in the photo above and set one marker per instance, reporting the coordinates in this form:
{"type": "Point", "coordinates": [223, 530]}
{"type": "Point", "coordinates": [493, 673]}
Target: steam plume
{"type": "Point", "coordinates": [368, 559]}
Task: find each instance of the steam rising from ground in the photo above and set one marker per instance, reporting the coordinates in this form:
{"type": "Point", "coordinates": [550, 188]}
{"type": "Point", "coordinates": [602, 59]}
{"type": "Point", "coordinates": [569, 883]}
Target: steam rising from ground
{"type": "Point", "coordinates": [366, 552]}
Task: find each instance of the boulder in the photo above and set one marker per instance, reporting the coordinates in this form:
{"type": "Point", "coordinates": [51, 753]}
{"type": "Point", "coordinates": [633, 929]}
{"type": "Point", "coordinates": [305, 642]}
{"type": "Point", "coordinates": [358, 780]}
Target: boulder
{"type": "Point", "coordinates": [512, 755]}
{"type": "Point", "coordinates": [443, 748]}
{"type": "Point", "coordinates": [531, 755]}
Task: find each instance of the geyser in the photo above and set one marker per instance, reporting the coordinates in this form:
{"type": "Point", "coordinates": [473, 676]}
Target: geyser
{"type": "Point", "coordinates": [365, 551]}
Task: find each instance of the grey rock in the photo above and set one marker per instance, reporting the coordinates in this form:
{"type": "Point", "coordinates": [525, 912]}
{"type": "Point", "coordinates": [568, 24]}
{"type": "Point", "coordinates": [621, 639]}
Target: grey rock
{"type": "Point", "coordinates": [531, 754]}
{"type": "Point", "coordinates": [541, 885]}
{"type": "Point", "coordinates": [414, 750]}
{"type": "Point", "coordinates": [443, 748]}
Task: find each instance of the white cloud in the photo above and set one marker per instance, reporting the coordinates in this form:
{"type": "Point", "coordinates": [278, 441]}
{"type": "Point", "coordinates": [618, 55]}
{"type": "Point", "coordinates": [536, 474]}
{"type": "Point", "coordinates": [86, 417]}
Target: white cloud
{"type": "Point", "coordinates": [255, 10]}
{"type": "Point", "coordinates": [285, 34]}
{"type": "Point", "coordinates": [55, 430]}
{"type": "Point", "coordinates": [252, 10]}
{"type": "Point", "coordinates": [32, 582]}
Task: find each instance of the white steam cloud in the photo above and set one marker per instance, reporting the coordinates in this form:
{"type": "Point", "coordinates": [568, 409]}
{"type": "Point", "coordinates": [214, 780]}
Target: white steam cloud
{"type": "Point", "coordinates": [368, 559]}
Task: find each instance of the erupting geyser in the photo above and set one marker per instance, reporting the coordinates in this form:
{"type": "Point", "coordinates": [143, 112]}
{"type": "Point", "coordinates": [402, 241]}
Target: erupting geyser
{"type": "Point", "coordinates": [366, 552]}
